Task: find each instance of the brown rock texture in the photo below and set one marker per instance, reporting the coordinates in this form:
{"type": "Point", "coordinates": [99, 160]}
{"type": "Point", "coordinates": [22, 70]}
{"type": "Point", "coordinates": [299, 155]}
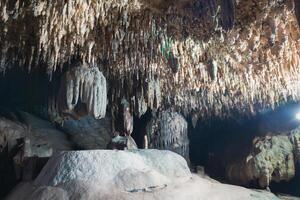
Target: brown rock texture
{"type": "Point", "coordinates": [209, 58]}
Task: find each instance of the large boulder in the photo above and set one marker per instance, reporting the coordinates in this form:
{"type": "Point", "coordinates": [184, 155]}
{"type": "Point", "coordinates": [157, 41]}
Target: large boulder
{"type": "Point", "coordinates": [126, 175]}
{"type": "Point", "coordinates": [43, 138]}
{"type": "Point", "coordinates": [102, 167]}
{"type": "Point", "coordinates": [89, 133]}
{"type": "Point", "coordinates": [270, 159]}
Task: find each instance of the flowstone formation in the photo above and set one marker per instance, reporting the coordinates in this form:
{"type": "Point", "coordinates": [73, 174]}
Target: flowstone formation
{"type": "Point", "coordinates": [169, 130]}
{"type": "Point", "coordinates": [83, 91]}
{"type": "Point", "coordinates": [210, 57]}
{"type": "Point", "coordinates": [272, 158]}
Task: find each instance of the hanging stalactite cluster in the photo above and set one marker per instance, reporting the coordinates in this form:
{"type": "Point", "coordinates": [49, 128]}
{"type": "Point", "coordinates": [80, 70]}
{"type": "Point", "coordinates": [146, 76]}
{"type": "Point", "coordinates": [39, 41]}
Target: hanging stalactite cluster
{"type": "Point", "coordinates": [169, 130]}
{"type": "Point", "coordinates": [196, 65]}
{"type": "Point", "coordinates": [82, 92]}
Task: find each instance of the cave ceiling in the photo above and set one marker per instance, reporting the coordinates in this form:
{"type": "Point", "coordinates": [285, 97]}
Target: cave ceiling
{"type": "Point", "coordinates": [204, 58]}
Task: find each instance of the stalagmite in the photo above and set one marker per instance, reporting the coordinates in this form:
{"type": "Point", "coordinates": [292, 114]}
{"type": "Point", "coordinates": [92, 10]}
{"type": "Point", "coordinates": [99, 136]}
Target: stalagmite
{"type": "Point", "coordinates": [127, 118]}
{"type": "Point", "coordinates": [83, 91]}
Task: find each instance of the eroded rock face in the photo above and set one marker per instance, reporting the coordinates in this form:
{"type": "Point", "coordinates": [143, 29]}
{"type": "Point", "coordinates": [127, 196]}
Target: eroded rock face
{"type": "Point", "coordinates": [168, 131]}
{"type": "Point", "coordinates": [272, 158]}
{"type": "Point", "coordinates": [295, 139]}
{"type": "Point", "coordinates": [27, 142]}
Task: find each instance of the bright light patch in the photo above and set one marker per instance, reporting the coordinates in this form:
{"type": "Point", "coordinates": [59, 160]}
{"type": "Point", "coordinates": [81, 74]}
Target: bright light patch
{"type": "Point", "coordinates": [298, 116]}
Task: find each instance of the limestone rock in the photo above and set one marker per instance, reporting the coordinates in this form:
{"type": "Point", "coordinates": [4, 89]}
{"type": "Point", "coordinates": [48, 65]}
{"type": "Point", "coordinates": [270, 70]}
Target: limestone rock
{"type": "Point", "coordinates": [127, 118]}
{"type": "Point", "coordinates": [49, 193]}
{"type": "Point", "coordinates": [10, 132]}
{"type": "Point", "coordinates": [68, 166]}
{"type": "Point", "coordinates": [169, 132]}
{"type": "Point", "coordinates": [43, 138]}
{"type": "Point", "coordinates": [127, 175]}
{"type": "Point", "coordinates": [252, 58]}
{"type": "Point", "coordinates": [271, 159]}
{"type": "Point", "coordinates": [295, 139]}
{"type": "Point", "coordinates": [88, 132]}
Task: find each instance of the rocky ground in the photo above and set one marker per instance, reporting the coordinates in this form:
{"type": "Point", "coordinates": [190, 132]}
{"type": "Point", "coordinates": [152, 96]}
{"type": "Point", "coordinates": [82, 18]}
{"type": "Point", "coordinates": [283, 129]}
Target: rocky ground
{"type": "Point", "coordinates": [140, 174]}
{"type": "Point", "coordinates": [28, 141]}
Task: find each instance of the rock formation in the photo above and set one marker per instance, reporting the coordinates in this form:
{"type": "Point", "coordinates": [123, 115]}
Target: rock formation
{"type": "Point", "coordinates": [145, 174]}
{"type": "Point", "coordinates": [127, 118]}
{"type": "Point", "coordinates": [272, 158]}
{"type": "Point", "coordinates": [88, 132]}
{"type": "Point", "coordinates": [82, 92]}
{"type": "Point", "coordinates": [253, 44]}
{"type": "Point", "coordinates": [10, 132]}
{"type": "Point", "coordinates": [169, 131]}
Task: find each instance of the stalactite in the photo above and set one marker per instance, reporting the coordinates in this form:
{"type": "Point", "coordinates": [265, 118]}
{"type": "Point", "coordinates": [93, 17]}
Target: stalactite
{"type": "Point", "coordinates": [83, 91]}
{"type": "Point", "coordinates": [154, 93]}
{"type": "Point", "coordinates": [129, 43]}
{"type": "Point", "coordinates": [169, 131]}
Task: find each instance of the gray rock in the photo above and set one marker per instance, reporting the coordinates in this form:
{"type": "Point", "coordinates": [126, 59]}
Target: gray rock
{"type": "Point", "coordinates": [88, 132]}
{"type": "Point", "coordinates": [43, 138]}
{"type": "Point", "coordinates": [49, 193]}
{"type": "Point", "coordinates": [102, 166]}
{"type": "Point", "coordinates": [10, 132]}
{"type": "Point", "coordinates": [271, 159]}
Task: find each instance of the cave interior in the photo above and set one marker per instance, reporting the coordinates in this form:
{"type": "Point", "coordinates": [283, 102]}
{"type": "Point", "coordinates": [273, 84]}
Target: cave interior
{"type": "Point", "coordinates": [215, 81]}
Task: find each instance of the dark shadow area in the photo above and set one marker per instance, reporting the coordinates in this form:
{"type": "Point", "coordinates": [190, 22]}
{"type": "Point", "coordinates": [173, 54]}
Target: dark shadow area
{"type": "Point", "coordinates": [216, 144]}
{"type": "Point", "coordinates": [139, 128]}
{"type": "Point", "coordinates": [28, 91]}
